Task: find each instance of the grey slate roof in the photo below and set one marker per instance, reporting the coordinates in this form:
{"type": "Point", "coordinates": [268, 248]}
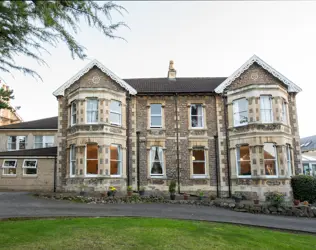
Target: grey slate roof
{"type": "Point", "coordinates": [46, 123]}
{"type": "Point", "coordinates": [308, 143]}
{"type": "Point", "coordinates": [180, 85]}
{"type": "Point", "coordinates": [52, 151]}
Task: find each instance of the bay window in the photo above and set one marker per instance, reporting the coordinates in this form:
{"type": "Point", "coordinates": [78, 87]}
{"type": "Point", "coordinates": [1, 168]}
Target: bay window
{"type": "Point", "coordinates": [156, 161]}
{"type": "Point", "coordinates": [197, 119]}
{"type": "Point", "coordinates": [240, 110]}
{"type": "Point", "coordinates": [29, 167]}
{"type": "Point", "coordinates": [73, 113]}
{"type": "Point", "coordinates": [266, 109]}
{"type": "Point", "coordinates": [43, 141]}
{"type": "Point", "coordinates": [198, 160]}
{"type": "Point", "coordinates": [92, 159]}
{"type": "Point", "coordinates": [116, 113]}
{"type": "Point", "coordinates": [72, 158]}
{"type": "Point", "coordinates": [115, 160]}
{"type": "Point", "coordinates": [155, 115]}
{"type": "Point", "coordinates": [9, 167]}
{"type": "Point", "coordinates": [92, 111]}
{"type": "Point", "coordinates": [243, 161]}
{"type": "Point", "coordinates": [270, 159]}
{"type": "Point", "coordinates": [16, 142]}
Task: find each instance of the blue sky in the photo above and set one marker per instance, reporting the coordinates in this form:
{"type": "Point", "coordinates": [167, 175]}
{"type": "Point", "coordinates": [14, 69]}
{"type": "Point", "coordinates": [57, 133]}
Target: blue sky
{"type": "Point", "coordinates": [203, 39]}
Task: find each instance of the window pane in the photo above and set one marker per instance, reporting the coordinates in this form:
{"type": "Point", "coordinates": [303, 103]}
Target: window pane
{"type": "Point", "coordinates": [9, 171]}
{"type": "Point", "coordinates": [114, 153]}
{"type": "Point", "coordinates": [115, 106]}
{"type": "Point", "coordinates": [198, 168]}
{"type": "Point", "coordinates": [156, 161]}
{"type": "Point", "coordinates": [244, 168]}
{"type": "Point", "coordinates": [9, 163]}
{"type": "Point", "coordinates": [196, 109]}
{"type": "Point", "coordinates": [196, 121]}
{"type": "Point", "coordinates": [244, 153]}
{"type": "Point", "coordinates": [29, 164]}
{"type": "Point", "coordinates": [115, 168]}
{"type": "Point", "coordinates": [49, 141]}
{"type": "Point", "coordinates": [73, 168]}
{"type": "Point", "coordinates": [270, 167]}
{"type": "Point", "coordinates": [22, 141]}
{"type": "Point", "coordinates": [30, 171]}
{"type": "Point", "coordinates": [115, 118]}
{"type": "Point", "coordinates": [198, 155]}
{"type": "Point", "coordinates": [38, 139]}
{"type": "Point", "coordinates": [92, 104]}
{"type": "Point", "coordinates": [306, 169]}
{"type": "Point", "coordinates": [72, 152]}
{"type": "Point", "coordinates": [269, 151]}
{"type": "Point", "coordinates": [92, 166]}
{"type": "Point", "coordinates": [92, 151]}
{"type": "Point", "coordinates": [156, 121]}
{"type": "Point", "coordinates": [155, 109]}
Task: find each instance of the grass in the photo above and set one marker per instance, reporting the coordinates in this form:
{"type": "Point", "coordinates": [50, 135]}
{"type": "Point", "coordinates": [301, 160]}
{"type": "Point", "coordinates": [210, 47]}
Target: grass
{"type": "Point", "coordinates": [143, 233]}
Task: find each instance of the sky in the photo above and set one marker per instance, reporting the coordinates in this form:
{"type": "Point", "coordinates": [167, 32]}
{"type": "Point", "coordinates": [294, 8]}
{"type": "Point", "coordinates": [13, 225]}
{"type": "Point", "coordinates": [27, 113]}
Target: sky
{"type": "Point", "coordinates": [205, 39]}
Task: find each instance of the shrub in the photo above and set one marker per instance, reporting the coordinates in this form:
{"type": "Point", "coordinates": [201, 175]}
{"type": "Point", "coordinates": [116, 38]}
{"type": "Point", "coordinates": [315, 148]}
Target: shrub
{"type": "Point", "coordinates": [129, 188]}
{"type": "Point", "coordinates": [304, 188]}
{"type": "Point", "coordinates": [172, 187]}
{"type": "Point", "coordinates": [275, 198]}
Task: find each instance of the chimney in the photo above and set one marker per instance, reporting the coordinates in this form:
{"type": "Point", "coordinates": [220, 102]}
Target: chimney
{"type": "Point", "coordinates": [171, 72]}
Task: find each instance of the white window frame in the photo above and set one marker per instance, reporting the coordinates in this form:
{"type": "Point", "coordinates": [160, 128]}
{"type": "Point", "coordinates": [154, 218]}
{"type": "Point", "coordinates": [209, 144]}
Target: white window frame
{"type": "Point", "coordinates": [238, 113]}
{"type": "Point", "coordinates": [17, 142]}
{"type": "Point", "coordinates": [72, 153]}
{"type": "Point", "coordinates": [156, 115]}
{"type": "Point", "coordinates": [117, 113]}
{"type": "Point", "coordinates": [198, 104]}
{"type": "Point", "coordinates": [284, 112]}
{"type": "Point", "coordinates": [119, 148]}
{"type": "Point", "coordinates": [151, 162]}
{"type": "Point", "coordinates": [276, 161]}
{"type": "Point", "coordinates": [86, 159]}
{"type": "Point", "coordinates": [8, 167]}
{"type": "Point", "coordinates": [289, 160]}
{"type": "Point", "coordinates": [26, 167]}
{"type": "Point", "coordinates": [238, 162]}
{"type": "Point", "coordinates": [266, 110]}
{"type": "Point", "coordinates": [198, 161]}
{"type": "Point", "coordinates": [73, 119]}
{"type": "Point", "coordinates": [44, 138]}
{"type": "Point", "coordinates": [92, 110]}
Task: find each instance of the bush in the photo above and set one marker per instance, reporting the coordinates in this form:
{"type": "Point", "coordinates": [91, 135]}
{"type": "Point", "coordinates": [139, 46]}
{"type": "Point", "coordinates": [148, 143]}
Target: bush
{"type": "Point", "coordinates": [304, 188]}
{"type": "Point", "coordinates": [172, 187]}
{"type": "Point", "coordinates": [275, 198]}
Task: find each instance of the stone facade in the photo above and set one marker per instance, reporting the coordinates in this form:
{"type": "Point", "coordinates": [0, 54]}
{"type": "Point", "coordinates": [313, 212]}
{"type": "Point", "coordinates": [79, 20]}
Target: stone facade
{"type": "Point", "coordinates": [217, 138]}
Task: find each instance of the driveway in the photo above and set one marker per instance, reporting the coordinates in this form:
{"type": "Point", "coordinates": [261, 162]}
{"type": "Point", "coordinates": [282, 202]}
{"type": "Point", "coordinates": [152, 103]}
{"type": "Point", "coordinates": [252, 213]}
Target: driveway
{"type": "Point", "coordinates": [20, 204]}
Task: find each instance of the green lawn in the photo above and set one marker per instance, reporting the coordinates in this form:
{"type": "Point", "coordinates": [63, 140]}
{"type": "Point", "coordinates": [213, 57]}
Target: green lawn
{"type": "Point", "coordinates": [134, 233]}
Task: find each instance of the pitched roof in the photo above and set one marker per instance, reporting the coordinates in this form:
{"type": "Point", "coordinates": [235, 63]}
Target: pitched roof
{"type": "Point", "coordinates": [308, 158]}
{"type": "Point", "coordinates": [61, 89]}
{"type": "Point", "coordinates": [308, 143]}
{"type": "Point", "coordinates": [46, 123]}
{"type": "Point", "coordinates": [52, 151]}
{"type": "Point", "coordinates": [255, 59]}
{"type": "Point", "coordinates": [180, 85]}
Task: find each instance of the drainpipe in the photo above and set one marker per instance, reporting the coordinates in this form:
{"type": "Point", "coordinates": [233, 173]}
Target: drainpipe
{"type": "Point", "coordinates": [177, 132]}
{"type": "Point", "coordinates": [128, 98]}
{"type": "Point", "coordinates": [227, 145]}
{"type": "Point", "coordinates": [217, 165]}
{"type": "Point", "coordinates": [138, 182]}
{"type": "Point", "coordinates": [55, 173]}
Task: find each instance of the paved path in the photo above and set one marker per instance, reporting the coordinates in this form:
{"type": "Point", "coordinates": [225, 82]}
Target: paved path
{"type": "Point", "coordinates": [18, 204]}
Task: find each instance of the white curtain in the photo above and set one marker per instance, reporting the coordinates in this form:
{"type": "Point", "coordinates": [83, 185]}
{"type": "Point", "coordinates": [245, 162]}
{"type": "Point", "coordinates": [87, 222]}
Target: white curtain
{"type": "Point", "coordinates": [152, 157]}
{"type": "Point", "coordinates": [160, 152]}
{"type": "Point", "coordinates": [236, 113]}
{"type": "Point", "coordinates": [92, 111]}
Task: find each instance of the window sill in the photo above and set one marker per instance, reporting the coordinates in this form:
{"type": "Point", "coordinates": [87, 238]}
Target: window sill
{"type": "Point", "coordinates": [240, 125]}
{"type": "Point", "coordinates": [200, 177]}
{"type": "Point", "coordinates": [30, 176]}
{"type": "Point", "coordinates": [244, 176]}
{"type": "Point", "coordinates": [157, 177]}
{"type": "Point", "coordinates": [9, 175]}
{"type": "Point", "coordinates": [198, 128]}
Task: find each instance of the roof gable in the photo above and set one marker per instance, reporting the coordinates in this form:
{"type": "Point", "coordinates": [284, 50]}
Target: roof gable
{"type": "Point", "coordinates": [125, 85]}
{"type": "Point", "coordinates": [255, 59]}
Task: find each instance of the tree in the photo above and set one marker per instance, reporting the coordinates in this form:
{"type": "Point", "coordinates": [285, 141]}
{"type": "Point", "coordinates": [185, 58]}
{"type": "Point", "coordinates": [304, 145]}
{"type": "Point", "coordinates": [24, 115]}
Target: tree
{"type": "Point", "coordinates": [5, 96]}
{"type": "Point", "coordinates": [26, 26]}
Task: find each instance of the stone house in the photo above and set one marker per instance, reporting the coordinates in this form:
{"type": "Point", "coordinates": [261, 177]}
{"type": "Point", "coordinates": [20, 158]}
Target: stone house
{"type": "Point", "coordinates": [217, 134]}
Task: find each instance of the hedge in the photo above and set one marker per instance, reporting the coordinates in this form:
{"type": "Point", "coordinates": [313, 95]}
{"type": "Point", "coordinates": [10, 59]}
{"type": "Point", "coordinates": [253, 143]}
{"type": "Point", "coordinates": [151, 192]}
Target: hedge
{"type": "Point", "coordinates": [304, 188]}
